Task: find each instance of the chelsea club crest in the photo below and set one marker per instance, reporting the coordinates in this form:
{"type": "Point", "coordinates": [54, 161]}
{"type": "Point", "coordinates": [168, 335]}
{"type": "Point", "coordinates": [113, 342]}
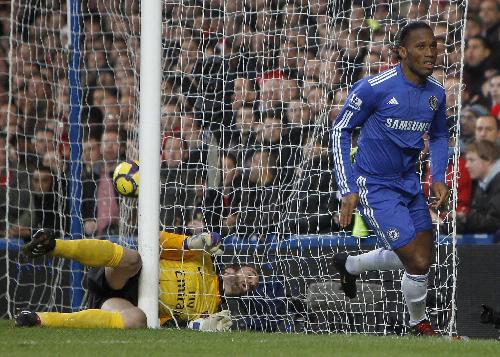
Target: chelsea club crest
{"type": "Point", "coordinates": [433, 103]}
{"type": "Point", "coordinates": [393, 234]}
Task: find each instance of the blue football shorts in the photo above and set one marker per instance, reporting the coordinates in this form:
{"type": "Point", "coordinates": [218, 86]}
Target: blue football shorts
{"type": "Point", "coordinates": [395, 209]}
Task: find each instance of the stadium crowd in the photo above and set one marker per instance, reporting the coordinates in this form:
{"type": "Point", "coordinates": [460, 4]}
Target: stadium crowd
{"type": "Point", "coordinates": [249, 93]}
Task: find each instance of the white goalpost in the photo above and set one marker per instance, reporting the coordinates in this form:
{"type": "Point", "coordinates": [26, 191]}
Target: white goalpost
{"type": "Point", "coordinates": [149, 149]}
{"type": "Point", "coordinates": [227, 105]}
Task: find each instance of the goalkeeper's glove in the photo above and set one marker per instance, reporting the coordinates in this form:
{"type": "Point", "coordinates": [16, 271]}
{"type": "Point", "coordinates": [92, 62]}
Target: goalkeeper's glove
{"type": "Point", "coordinates": [42, 243]}
{"type": "Point", "coordinates": [220, 321]}
{"type": "Point", "coordinates": [208, 241]}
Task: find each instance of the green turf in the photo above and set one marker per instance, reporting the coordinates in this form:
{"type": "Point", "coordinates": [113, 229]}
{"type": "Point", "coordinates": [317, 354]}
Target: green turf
{"type": "Point", "coordinates": [38, 342]}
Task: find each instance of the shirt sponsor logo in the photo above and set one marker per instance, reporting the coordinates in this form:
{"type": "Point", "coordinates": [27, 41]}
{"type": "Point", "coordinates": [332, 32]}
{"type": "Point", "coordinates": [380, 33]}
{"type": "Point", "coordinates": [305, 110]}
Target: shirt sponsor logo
{"type": "Point", "coordinates": [409, 125]}
{"type": "Point", "coordinates": [433, 103]}
{"type": "Point", "coordinates": [355, 102]}
{"type": "Point", "coordinates": [181, 292]}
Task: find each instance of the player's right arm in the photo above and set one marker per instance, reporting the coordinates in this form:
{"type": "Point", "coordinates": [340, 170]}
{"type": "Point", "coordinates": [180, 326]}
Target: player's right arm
{"type": "Point", "coordinates": [358, 107]}
{"type": "Point", "coordinates": [179, 246]}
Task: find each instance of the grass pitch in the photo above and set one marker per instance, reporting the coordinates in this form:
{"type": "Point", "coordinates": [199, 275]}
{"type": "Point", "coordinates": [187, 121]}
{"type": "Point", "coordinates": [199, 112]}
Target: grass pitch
{"type": "Point", "coordinates": [39, 342]}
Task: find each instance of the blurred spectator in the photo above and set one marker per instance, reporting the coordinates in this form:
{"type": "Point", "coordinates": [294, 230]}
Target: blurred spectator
{"type": "Point", "coordinates": [43, 210]}
{"type": "Point", "coordinates": [255, 207]}
{"type": "Point", "coordinates": [91, 160]}
{"type": "Point", "coordinates": [453, 92]}
{"type": "Point", "coordinates": [417, 10]}
{"type": "Point", "coordinates": [494, 91]}
{"type": "Point", "coordinates": [101, 96]}
{"type": "Point", "coordinates": [312, 70]}
{"type": "Point", "coordinates": [313, 205]}
{"type": "Point", "coordinates": [298, 114]}
{"type": "Point", "coordinates": [107, 207]}
{"type": "Point", "coordinates": [21, 153]}
{"type": "Point", "coordinates": [9, 112]}
{"type": "Point", "coordinates": [270, 130]}
{"type": "Point", "coordinates": [275, 90]}
{"type": "Point", "coordinates": [272, 134]}
{"type": "Point", "coordinates": [489, 13]}
{"type": "Point", "coordinates": [231, 182]}
{"type": "Point", "coordinates": [214, 202]}
{"type": "Point", "coordinates": [192, 136]}
{"type": "Point", "coordinates": [487, 128]}
{"type": "Point", "coordinates": [330, 68]}
{"type": "Point", "coordinates": [44, 141]}
{"type": "Point", "coordinates": [16, 183]}
{"type": "Point", "coordinates": [294, 15]}
{"type": "Point", "coordinates": [177, 196]}
{"type": "Point", "coordinates": [170, 116]}
{"type": "Point", "coordinates": [464, 181]}
{"type": "Point", "coordinates": [292, 58]}
{"type": "Point", "coordinates": [244, 93]}
{"type": "Point", "coordinates": [482, 161]}
{"type": "Point", "coordinates": [319, 98]}
{"type": "Point", "coordinates": [473, 28]}
{"type": "Point", "coordinates": [479, 62]}
{"type": "Point", "coordinates": [468, 119]}
{"type": "Point", "coordinates": [244, 122]}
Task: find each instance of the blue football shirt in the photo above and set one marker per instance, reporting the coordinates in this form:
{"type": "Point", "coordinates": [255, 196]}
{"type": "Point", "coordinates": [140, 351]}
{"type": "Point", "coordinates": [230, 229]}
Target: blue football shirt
{"type": "Point", "coordinates": [393, 114]}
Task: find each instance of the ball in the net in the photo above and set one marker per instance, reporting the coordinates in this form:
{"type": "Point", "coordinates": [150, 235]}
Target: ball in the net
{"type": "Point", "coordinates": [126, 178]}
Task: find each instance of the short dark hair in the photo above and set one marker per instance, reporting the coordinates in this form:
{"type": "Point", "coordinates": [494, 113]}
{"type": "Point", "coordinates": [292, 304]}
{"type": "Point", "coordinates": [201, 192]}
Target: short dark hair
{"type": "Point", "coordinates": [404, 32]}
{"type": "Point", "coordinates": [481, 39]}
{"type": "Point", "coordinates": [237, 267]}
{"type": "Point", "coordinates": [230, 156]}
{"type": "Point", "coordinates": [486, 150]}
{"type": "Point", "coordinates": [497, 74]}
{"type": "Point", "coordinates": [495, 120]}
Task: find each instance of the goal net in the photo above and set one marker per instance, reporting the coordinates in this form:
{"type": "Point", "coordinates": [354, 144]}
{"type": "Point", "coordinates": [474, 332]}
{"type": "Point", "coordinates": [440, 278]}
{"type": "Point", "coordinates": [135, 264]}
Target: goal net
{"type": "Point", "coordinates": [250, 90]}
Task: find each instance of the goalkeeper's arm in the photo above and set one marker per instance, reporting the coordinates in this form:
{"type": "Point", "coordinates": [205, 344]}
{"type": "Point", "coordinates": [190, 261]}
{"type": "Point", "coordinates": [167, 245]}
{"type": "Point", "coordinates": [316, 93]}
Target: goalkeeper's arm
{"type": "Point", "coordinates": [209, 242]}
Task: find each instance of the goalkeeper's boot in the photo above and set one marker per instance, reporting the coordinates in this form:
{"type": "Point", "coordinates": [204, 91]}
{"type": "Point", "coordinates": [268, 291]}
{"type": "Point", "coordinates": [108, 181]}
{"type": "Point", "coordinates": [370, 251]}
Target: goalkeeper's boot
{"type": "Point", "coordinates": [423, 328]}
{"type": "Point", "coordinates": [347, 280]}
{"type": "Point", "coordinates": [42, 243]}
{"type": "Point", "coordinates": [27, 318]}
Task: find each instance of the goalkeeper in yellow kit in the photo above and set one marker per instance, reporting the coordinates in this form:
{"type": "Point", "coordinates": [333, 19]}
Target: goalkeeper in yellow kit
{"type": "Point", "coordinates": [190, 287]}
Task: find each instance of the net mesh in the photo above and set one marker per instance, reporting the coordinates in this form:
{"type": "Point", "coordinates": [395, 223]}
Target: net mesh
{"type": "Point", "coordinates": [249, 92]}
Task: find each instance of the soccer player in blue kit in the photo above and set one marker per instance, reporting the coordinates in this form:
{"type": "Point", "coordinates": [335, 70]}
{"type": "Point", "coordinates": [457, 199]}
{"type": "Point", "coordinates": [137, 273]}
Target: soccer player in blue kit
{"type": "Point", "coordinates": [394, 109]}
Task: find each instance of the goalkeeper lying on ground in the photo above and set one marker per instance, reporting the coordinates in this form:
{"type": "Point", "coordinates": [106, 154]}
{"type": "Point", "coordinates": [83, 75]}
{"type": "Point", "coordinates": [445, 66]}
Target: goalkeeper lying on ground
{"type": "Point", "coordinates": [190, 287]}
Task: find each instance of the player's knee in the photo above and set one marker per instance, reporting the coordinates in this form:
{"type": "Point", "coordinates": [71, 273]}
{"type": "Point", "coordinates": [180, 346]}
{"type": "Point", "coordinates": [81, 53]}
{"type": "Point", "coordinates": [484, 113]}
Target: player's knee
{"type": "Point", "coordinates": [131, 260]}
{"type": "Point", "coordinates": [420, 265]}
{"type": "Point", "coordinates": [134, 318]}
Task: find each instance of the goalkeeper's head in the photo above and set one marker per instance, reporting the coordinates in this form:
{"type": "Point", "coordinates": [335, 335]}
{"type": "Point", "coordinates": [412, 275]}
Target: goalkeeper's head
{"type": "Point", "coordinates": [239, 280]}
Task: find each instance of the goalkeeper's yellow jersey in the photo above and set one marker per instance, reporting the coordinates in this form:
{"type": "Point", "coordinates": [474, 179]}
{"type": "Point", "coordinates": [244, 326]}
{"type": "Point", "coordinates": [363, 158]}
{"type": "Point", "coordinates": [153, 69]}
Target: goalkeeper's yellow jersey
{"type": "Point", "coordinates": [189, 285]}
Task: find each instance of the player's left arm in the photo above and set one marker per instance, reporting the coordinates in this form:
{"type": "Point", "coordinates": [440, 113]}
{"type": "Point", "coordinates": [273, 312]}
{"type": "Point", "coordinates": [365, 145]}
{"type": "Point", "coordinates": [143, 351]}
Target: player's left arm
{"type": "Point", "coordinates": [438, 146]}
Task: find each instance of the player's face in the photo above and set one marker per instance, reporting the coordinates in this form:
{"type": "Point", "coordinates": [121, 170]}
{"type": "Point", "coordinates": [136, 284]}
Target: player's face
{"type": "Point", "coordinates": [486, 128]}
{"type": "Point", "coordinates": [477, 167]}
{"type": "Point", "coordinates": [248, 278]}
{"type": "Point", "coordinates": [420, 52]}
{"type": "Point", "coordinates": [110, 146]}
{"type": "Point", "coordinates": [495, 89]}
{"type": "Point", "coordinates": [241, 281]}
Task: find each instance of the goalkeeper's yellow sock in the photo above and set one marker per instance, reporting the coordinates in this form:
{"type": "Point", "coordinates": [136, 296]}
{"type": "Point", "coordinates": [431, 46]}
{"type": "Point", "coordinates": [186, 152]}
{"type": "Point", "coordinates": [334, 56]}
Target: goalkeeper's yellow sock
{"type": "Point", "coordinates": [89, 252]}
{"type": "Point", "coordinates": [92, 318]}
